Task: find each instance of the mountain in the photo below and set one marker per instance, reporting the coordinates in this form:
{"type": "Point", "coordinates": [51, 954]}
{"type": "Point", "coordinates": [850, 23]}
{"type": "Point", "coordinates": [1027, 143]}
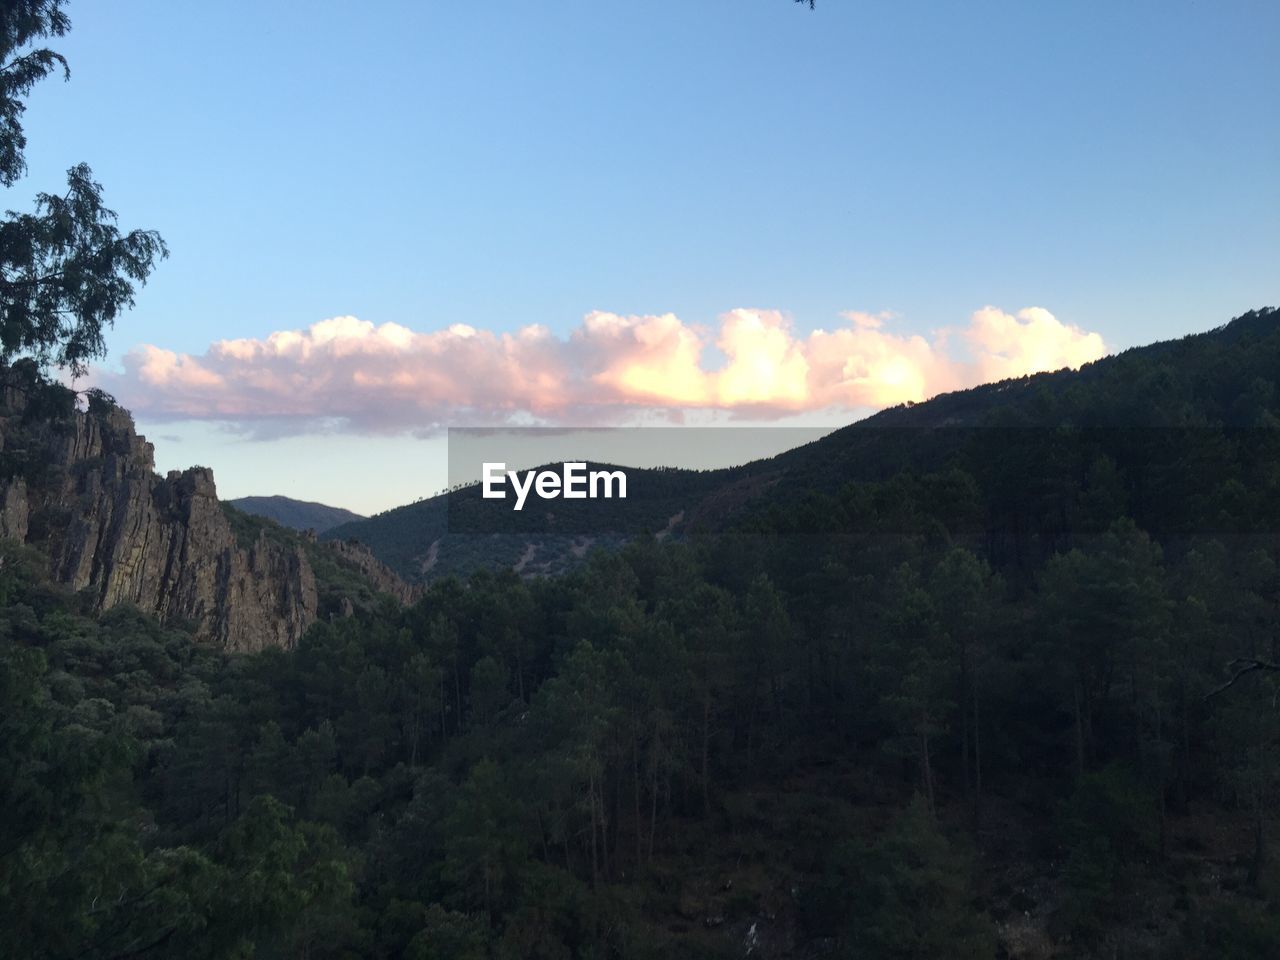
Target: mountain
{"type": "Point", "coordinates": [1143, 410]}
{"type": "Point", "coordinates": [459, 532]}
{"type": "Point", "coordinates": [991, 676]}
{"type": "Point", "coordinates": [297, 514]}
{"type": "Point", "coordinates": [80, 487]}
{"type": "Point", "coordinates": [1135, 429]}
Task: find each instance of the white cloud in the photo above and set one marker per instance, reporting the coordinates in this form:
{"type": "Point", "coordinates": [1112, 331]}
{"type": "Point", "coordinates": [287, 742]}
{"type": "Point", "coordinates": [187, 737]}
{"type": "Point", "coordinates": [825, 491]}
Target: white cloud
{"type": "Point", "coordinates": [351, 374]}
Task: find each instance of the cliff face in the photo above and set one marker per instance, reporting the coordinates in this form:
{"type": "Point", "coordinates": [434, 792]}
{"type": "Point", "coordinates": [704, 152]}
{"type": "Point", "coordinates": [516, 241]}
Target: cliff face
{"type": "Point", "coordinates": [82, 487]}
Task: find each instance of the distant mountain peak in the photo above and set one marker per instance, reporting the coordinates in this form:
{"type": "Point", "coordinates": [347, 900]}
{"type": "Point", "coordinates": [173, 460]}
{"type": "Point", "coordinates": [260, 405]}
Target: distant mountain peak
{"type": "Point", "coordinates": [296, 514]}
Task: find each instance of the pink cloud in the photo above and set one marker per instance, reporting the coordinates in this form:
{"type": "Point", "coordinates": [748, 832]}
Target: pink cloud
{"type": "Point", "coordinates": [349, 374]}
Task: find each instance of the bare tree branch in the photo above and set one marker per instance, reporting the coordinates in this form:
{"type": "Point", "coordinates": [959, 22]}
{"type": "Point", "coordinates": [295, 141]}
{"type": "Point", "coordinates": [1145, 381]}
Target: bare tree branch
{"type": "Point", "coordinates": [1243, 666]}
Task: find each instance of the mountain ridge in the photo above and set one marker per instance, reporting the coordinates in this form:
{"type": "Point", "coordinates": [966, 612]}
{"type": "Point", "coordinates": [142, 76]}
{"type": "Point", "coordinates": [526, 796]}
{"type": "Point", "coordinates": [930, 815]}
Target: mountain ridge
{"type": "Point", "coordinates": [297, 514]}
{"type": "Point", "coordinates": [1152, 388]}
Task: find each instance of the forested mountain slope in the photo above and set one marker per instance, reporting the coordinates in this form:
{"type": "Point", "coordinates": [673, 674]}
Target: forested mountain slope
{"type": "Point", "coordinates": [459, 533]}
{"type": "Point", "coordinates": [1144, 415]}
{"type": "Point", "coordinates": [980, 700]}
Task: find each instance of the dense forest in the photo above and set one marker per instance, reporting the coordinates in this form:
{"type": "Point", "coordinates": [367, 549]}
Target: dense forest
{"type": "Point", "coordinates": [1009, 688]}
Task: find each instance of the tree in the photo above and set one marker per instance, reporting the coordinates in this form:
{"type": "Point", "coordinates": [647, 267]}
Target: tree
{"type": "Point", "coordinates": [488, 689]}
{"type": "Point", "coordinates": [1108, 834]}
{"type": "Point", "coordinates": [905, 894]}
{"type": "Point", "coordinates": [444, 934]}
{"type": "Point", "coordinates": [66, 270]}
{"type": "Point", "coordinates": [1248, 729]}
{"type": "Point", "coordinates": [1105, 614]}
{"type": "Point", "coordinates": [964, 595]}
{"type": "Point", "coordinates": [486, 843]}
{"type": "Point", "coordinates": [421, 687]}
{"type": "Point", "coordinates": [926, 677]}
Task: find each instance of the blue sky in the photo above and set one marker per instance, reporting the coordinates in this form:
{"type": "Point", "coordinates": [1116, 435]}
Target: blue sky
{"type": "Point", "coordinates": [506, 164]}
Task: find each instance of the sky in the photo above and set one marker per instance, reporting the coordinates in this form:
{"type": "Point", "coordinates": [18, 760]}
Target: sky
{"type": "Point", "coordinates": [390, 219]}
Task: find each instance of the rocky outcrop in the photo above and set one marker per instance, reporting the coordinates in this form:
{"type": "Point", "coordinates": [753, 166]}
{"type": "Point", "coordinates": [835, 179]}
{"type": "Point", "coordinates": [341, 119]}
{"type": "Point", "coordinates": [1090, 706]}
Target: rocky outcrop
{"type": "Point", "coordinates": [82, 487]}
{"type": "Point", "coordinates": [381, 577]}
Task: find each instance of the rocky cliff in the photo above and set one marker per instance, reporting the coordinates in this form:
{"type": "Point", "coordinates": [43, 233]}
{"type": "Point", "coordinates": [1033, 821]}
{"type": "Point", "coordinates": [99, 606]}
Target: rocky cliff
{"type": "Point", "coordinates": [81, 486]}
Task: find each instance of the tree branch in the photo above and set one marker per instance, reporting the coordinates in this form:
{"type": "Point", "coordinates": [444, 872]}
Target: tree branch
{"type": "Point", "coordinates": [30, 281]}
{"type": "Point", "coordinates": [1243, 666]}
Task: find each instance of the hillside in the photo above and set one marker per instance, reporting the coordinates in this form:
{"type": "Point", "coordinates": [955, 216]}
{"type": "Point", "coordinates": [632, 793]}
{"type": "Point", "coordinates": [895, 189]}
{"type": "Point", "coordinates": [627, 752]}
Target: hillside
{"type": "Point", "coordinates": [1144, 410]}
{"type": "Point", "coordinates": [996, 676]}
{"type": "Point", "coordinates": [297, 514]}
{"type": "Point", "coordinates": [460, 533]}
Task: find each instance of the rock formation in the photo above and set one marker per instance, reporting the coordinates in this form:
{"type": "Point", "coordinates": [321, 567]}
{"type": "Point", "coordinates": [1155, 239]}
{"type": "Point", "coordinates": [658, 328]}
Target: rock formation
{"type": "Point", "coordinates": [81, 486]}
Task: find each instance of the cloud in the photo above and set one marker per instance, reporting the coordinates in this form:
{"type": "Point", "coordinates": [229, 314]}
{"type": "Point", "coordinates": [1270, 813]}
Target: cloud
{"type": "Point", "coordinates": [1032, 341]}
{"type": "Point", "coordinates": [349, 374]}
{"type": "Point", "coordinates": [653, 360]}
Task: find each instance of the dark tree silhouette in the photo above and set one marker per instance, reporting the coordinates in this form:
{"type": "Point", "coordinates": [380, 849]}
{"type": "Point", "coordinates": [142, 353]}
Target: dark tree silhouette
{"type": "Point", "coordinates": [66, 270]}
